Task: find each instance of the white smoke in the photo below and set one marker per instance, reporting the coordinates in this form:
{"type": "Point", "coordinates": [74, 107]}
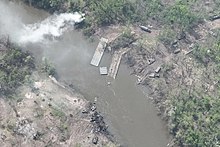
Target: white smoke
{"type": "Point", "coordinates": [10, 22]}
{"type": "Point", "coordinates": [52, 27]}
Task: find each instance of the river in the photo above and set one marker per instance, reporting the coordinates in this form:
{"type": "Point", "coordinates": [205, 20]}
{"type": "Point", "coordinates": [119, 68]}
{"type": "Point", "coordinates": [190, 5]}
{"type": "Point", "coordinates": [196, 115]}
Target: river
{"type": "Point", "coordinates": [131, 117]}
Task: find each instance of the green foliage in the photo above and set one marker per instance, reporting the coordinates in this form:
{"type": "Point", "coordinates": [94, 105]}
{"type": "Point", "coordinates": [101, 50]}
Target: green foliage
{"type": "Point", "coordinates": [51, 5]}
{"type": "Point", "coordinates": [167, 36]}
{"type": "Point", "coordinates": [48, 68]}
{"type": "Point", "coordinates": [180, 14]}
{"type": "Point", "coordinates": [15, 66]}
{"type": "Point", "coordinates": [107, 12]}
{"type": "Point", "coordinates": [78, 145]}
{"type": "Point", "coordinates": [57, 112]}
{"type": "Point", "coordinates": [209, 51]}
{"type": "Point", "coordinates": [146, 9]}
{"type": "Point", "coordinates": [196, 120]}
{"type": "Point", "coordinates": [124, 40]}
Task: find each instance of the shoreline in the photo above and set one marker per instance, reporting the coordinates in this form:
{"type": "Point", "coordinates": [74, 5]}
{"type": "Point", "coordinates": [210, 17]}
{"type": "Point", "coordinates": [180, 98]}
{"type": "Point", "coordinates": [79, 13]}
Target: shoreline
{"type": "Point", "coordinates": [43, 111]}
{"type": "Point", "coordinates": [173, 62]}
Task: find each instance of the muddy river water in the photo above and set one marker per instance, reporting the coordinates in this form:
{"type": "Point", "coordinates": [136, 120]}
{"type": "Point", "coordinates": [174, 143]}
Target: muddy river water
{"type": "Point", "coordinates": [131, 117]}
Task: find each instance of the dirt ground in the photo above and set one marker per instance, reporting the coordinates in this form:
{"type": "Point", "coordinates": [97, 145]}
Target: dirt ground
{"type": "Point", "coordinates": [46, 113]}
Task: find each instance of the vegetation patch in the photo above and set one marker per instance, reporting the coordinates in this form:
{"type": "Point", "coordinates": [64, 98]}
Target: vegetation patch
{"type": "Point", "coordinates": [210, 50]}
{"type": "Point", "coordinates": [15, 67]}
{"type": "Point", "coordinates": [181, 15]}
{"type": "Point", "coordinates": [48, 68]}
{"type": "Point", "coordinates": [195, 119]}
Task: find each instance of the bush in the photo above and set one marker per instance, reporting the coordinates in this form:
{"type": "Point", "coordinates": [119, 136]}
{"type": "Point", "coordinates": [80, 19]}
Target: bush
{"type": "Point", "coordinates": [195, 121]}
{"type": "Point", "coordinates": [124, 40]}
{"type": "Point", "coordinates": [15, 66]}
{"type": "Point", "coordinates": [210, 51]}
{"type": "Point", "coordinates": [48, 68]}
{"type": "Point", "coordinates": [181, 15]}
{"type": "Point", "coordinates": [167, 36]}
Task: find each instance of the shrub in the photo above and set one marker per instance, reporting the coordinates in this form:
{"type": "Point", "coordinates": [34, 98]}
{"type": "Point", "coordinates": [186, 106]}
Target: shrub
{"type": "Point", "coordinates": [180, 14]}
{"type": "Point", "coordinates": [48, 68]}
{"type": "Point", "coordinates": [195, 121]}
{"type": "Point", "coordinates": [15, 66]}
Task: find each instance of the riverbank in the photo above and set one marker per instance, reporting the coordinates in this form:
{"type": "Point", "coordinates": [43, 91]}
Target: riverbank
{"type": "Point", "coordinates": [180, 78]}
{"type": "Point", "coordinates": [72, 47]}
{"type": "Point", "coordinates": [41, 111]}
{"type": "Point", "coordinates": [178, 86]}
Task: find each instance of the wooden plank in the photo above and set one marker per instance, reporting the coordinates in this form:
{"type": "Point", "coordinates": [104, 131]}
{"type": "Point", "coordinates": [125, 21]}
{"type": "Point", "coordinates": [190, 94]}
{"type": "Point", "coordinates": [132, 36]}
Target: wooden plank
{"type": "Point", "coordinates": [99, 52]}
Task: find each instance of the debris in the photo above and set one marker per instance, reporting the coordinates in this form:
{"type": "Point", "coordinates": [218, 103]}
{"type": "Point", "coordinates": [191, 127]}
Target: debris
{"type": "Point", "coordinates": [103, 70]}
{"type": "Point", "coordinates": [182, 35]}
{"type": "Point", "coordinates": [192, 46]}
{"type": "Point", "coordinates": [176, 51]}
{"type": "Point", "coordinates": [150, 26]}
{"type": "Point", "coordinates": [212, 18]}
{"type": "Point", "coordinates": [95, 140]}
{"type": "Point", "coordinates": [93, 108]}
{"type": "Point", "coordinates": [109, 48]}
{"type": "Point", "coordinates": [56, 82]}
{"type": "Point", "coordinates": [84, 111]}
{"type": "Point", "coordinates": [151, 61]}
{"type": "Point", "coordinates": [157, 70]}
{"type": "Point", "coordinates": [152, 75]}
{"type": "Point", "coordinates": [213, 33]}
{"type": "Point", "coordinates": [188, 52]}
{"type": "Point", "coordinates": [175, 44]}
{"type": "Point", "coordinates": [138, 81]}
{"type": "Point", "coordinates": [24, 127]}
{"type": "Point", "coordinates": [37, 135]}
{"type": "Point", "coordinates": [157, 75]}
{"type": "Point", "coordinates": [194, 33]}
{"type": "Point", "coordinates": [146, 29]}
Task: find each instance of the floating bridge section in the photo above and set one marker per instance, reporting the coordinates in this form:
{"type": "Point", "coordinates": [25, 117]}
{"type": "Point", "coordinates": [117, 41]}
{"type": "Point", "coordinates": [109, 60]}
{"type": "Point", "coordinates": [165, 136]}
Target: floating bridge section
{"type": "Point", "coordinates": [116, 59]}
{"type": "Point", "coordinates": [99, 52]}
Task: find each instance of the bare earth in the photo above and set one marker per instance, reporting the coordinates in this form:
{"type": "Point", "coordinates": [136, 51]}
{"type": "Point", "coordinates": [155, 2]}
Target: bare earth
{"type": "Point", "coordinates": [46, 113]}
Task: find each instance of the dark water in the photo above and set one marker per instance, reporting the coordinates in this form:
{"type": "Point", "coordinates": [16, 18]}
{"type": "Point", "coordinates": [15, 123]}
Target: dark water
{"type": "Point", "coordinates": [130, 115]}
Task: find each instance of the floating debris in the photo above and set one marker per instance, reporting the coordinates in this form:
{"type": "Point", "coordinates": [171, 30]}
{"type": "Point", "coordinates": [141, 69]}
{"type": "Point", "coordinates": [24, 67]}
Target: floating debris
{"type": "Point", "coordinates": [103, 70]}
{"type": "Point", "coordinates": [108, 83]}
